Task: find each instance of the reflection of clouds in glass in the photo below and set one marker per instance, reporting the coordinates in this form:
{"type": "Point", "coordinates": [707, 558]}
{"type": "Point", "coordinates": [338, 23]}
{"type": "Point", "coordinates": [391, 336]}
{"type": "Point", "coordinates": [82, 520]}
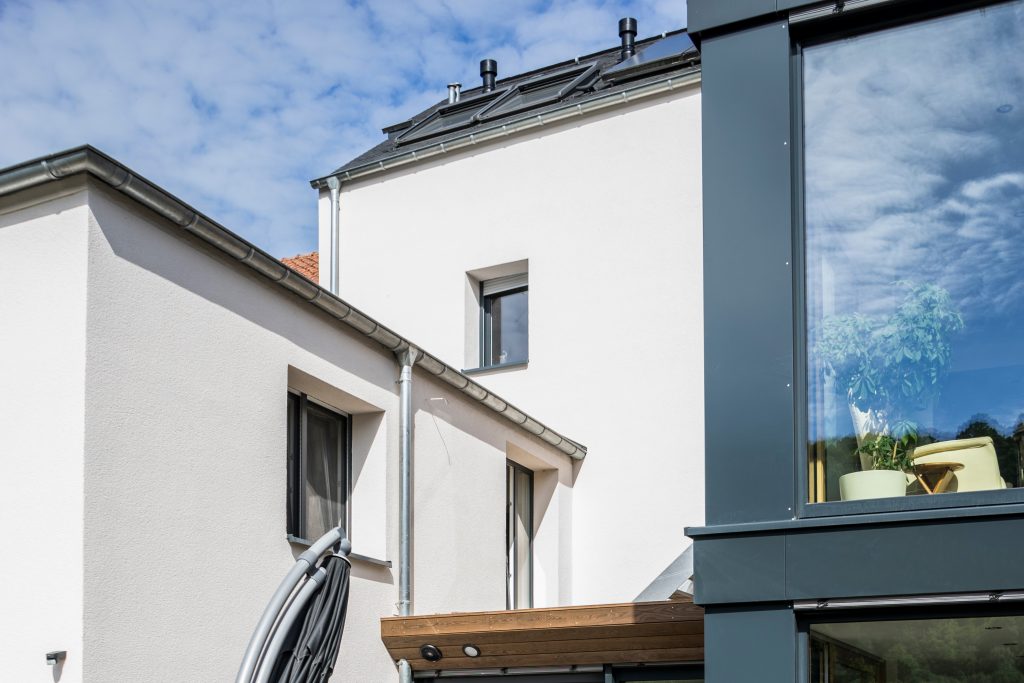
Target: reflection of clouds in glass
{"type": "Point", "coordinates": [912, 170]}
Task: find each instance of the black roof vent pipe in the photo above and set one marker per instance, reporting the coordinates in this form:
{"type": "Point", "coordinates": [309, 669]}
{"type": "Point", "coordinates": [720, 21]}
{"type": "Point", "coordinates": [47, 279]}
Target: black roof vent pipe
{"type": "Point", "coordinates": [627, 31]}
{"type": "Point", "coordinates": [489, 72]}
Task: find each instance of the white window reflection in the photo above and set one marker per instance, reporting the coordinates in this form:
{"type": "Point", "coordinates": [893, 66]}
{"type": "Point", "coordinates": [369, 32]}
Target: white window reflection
{"type": "Point", "coordinates": [914, 187]}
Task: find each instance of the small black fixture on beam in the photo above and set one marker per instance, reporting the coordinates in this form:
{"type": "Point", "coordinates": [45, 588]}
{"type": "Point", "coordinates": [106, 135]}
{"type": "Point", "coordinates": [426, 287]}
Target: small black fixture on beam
{"type": "Point", "coordinates": [431, 653]}
{"type": "Point", "coordinates": [489, 73]}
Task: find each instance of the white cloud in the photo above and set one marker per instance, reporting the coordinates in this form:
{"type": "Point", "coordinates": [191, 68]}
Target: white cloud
{"type": "Point", "coordinates": [235, 106]}
{"type": "Point", "coordinates": [914, 163]}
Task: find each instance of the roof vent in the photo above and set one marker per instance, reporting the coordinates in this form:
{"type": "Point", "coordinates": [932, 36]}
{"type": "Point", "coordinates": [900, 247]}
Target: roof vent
{"type": "Point", "coordinates": [489, 73]}
{"type": "Point", "coordinates": [627, 31]}
{"type": "Point", "coordinates": [454, 89]}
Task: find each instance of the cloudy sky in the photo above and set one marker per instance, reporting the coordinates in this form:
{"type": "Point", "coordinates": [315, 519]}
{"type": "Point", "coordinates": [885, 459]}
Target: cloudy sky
{"type": "Point", "coordinates": [234, 106]}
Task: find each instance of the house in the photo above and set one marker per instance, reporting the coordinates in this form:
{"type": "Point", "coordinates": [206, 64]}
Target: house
{"type": "Point", "coordinates": [774, 287]}
{"type": "Point", "coordinates": [862, 197]}
{"type": "Point", "coordinates": [543, 232]}
{"type": "Point", "coordinates": [181, 412]}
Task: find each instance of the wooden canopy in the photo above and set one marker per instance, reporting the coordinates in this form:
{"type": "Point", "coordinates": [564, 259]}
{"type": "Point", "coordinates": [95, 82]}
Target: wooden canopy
{"type": "Point", "coordinates": [630, 633]}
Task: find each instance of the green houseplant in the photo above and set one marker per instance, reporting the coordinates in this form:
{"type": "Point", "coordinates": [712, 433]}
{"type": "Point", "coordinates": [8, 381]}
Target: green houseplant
{"type": "Point", "coordinates": [888, 452]}
{"type": "Point", "coordinates": [889, 457]}
{"type": "Point", "coordinates": [889, 367]}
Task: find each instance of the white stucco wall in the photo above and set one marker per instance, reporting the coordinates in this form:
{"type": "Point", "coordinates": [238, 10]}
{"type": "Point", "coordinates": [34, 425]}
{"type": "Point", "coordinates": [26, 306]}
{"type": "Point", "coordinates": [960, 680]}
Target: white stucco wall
{"type": "Point", "coordinates": [188, 362]}
{"type": "Point", "coordinates": [607, 211]}
{"type": "Point", "coordinates": [42, 425]}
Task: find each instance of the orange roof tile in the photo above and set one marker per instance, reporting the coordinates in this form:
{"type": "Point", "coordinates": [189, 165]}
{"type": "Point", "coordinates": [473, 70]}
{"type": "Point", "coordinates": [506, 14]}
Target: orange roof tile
{"type": "Point", "coordinates": [308, 265]}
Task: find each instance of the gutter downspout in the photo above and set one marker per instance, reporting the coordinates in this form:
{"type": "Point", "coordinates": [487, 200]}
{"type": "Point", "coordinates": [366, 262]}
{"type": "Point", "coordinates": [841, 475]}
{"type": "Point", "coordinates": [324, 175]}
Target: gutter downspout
{"type": "Point", "coordinates": [406, 359]}
{"type": "Point", "coordinates": [335, 186]}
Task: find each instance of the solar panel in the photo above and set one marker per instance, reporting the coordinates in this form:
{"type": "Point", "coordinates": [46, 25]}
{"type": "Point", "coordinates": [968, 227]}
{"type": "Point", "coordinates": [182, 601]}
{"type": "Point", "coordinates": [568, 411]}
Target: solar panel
{"type": "Point", "coordinates": [450, 117]}
{"type": "Point", "coordinates": [668, 51]}
{"type": "Point", "coordinates": [539, 91]}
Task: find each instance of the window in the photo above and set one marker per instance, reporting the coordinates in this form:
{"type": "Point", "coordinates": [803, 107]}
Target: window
{"type": "Point", "coordinates": [913, 156]}
{"type": "Point", "coordinates": [505, 320]}
{"type": "Point", "coordinates": [452, 117]}
{"type": "Point", "coordinates": [519, 536]}
{"type": "Point", "coordinates": [983, 649]}
{"type": "Point", "coordinates": [318, 463]}
{"type": "Point", "coordinates": [539, 91]}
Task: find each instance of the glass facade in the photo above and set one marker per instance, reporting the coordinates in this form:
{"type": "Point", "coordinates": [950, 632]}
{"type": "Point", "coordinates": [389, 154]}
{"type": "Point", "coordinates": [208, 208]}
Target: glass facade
{"type": "Point", "coordinates": [961, 650]}
{"type": "Point", "coordinates": [913, 144]}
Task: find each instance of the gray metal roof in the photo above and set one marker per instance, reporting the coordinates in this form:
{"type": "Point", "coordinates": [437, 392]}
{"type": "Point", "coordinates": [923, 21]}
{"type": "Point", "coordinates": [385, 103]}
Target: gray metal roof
{"type": "Point", "coordinates": [672, 54]}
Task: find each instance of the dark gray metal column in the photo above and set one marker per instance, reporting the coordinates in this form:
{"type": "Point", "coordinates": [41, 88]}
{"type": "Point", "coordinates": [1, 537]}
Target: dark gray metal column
{"type": "Point", "coordinates": [752, 645]}
{"type": "Point", "coordinates": [748, 277]}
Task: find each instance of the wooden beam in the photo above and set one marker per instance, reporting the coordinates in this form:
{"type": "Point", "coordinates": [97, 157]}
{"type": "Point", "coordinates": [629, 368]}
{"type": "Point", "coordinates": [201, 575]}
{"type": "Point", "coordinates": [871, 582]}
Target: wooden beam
{"type": "Point", "coordinates": [668, 631]}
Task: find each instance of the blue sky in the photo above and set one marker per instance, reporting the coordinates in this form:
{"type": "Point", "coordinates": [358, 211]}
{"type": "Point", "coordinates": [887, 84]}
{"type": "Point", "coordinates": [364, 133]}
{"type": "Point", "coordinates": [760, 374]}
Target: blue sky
{"type": "Point", "coordinates": [234, 106]}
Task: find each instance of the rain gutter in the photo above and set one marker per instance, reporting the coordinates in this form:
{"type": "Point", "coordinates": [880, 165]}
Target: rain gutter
{"type": "Point", "coordinates": [90, 161]}
{"type": "Point", "coordinates": [477, 135]}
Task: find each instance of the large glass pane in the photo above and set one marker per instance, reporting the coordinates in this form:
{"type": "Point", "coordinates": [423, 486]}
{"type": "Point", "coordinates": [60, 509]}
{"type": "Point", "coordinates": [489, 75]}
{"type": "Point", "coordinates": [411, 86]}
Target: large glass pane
{"type": "Point", "coordinates": [519, 536]}
{"type": "Point", "coordinates": [914, 205]}
{"type": "Point", "coordinates": [524, 538]}
{"type": "Point", "coordinates": [508, 321]}
{"type": "Point", "coordinates": [325, 484]}
{"type": "Point", "coordinates": [965, 650]}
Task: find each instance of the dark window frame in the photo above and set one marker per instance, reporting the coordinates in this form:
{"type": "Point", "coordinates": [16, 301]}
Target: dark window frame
{"type": "Point", "coordinates": [486, 327]}
{"type": "Point", "coordinates": [833, 28]}
{"type": "Point", "coordinates": [299, 407]}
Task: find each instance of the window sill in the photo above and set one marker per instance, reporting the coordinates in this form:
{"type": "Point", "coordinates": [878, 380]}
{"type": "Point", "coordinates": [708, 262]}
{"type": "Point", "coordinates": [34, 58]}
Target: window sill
{"type": "Point", "coordinates": [949, 506]}
{"type": "Point", "coordinates": [497, 368]}
{"type": "Point", "coordinates": [942, 501]}
{"type": "Point", "coordinates": [352, 556]}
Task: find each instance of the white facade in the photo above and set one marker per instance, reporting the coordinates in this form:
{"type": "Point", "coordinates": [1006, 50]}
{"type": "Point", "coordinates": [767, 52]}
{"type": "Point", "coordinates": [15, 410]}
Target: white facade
{"type": "Point", "coordinates": [604, 212]}
{"type": "Point", "coordinates": [143, 454]}
{"type": "Point", "coordinates": [42, 433]}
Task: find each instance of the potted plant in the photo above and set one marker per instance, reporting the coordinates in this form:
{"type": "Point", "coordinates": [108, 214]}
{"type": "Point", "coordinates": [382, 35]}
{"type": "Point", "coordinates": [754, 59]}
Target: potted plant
{"type": "Point", "coordinates": [890, 366]}
{"type": "Point", "coordinates": [890, 459]}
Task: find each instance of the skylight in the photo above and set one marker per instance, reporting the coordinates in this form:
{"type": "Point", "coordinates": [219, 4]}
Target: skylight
{"type": "Point", "coordinates": [667, 52]}
{"type": "Point", "coordinates": [450, 117]}
{"type": "Point", "coordinates": [539, 91]}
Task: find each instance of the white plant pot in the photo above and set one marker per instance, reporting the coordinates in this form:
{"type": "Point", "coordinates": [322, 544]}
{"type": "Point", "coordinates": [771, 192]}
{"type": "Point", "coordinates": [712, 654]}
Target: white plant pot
{"type": "Point", "coordinates": [872, 484]}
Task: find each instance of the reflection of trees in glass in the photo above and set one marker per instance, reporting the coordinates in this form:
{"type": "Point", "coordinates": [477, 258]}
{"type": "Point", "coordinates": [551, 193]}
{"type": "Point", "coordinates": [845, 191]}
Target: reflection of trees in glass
{"type": "Point", "coordinates": [891, 365]}
{"type": "Point", "coordinates": [959, 651]}
{"type": "Point", "coordinates": [1006, 447]}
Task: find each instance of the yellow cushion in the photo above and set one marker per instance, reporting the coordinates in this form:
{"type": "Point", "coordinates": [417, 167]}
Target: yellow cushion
{"type": "Point", "coordinates": [956, 445]}
{"type": "Point", "coordinates": [978, 456]}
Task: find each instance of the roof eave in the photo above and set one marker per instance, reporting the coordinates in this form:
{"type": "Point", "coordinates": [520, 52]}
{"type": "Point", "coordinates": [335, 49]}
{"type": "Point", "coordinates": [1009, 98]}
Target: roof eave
{"type": "Point", "coordinates": [89, 160]}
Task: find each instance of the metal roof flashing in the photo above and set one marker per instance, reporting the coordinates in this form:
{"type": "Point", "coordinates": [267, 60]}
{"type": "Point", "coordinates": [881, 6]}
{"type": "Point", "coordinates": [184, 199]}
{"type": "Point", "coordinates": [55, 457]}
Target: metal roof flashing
{"type": "Point", "coordinates": [614, 96]}
{"type": "Point", "coordinates": [571, 88]}
{"type": "Point", "coordinates": [87, 160]}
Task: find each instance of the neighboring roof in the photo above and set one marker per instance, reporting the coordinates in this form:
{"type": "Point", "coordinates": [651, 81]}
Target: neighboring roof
{"type": "Point", "coordinates": [91, 161]}
{"type": "Point", "coordinates": [307, 265]}
{"type": "Point", "coordinates": [673, 57]}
